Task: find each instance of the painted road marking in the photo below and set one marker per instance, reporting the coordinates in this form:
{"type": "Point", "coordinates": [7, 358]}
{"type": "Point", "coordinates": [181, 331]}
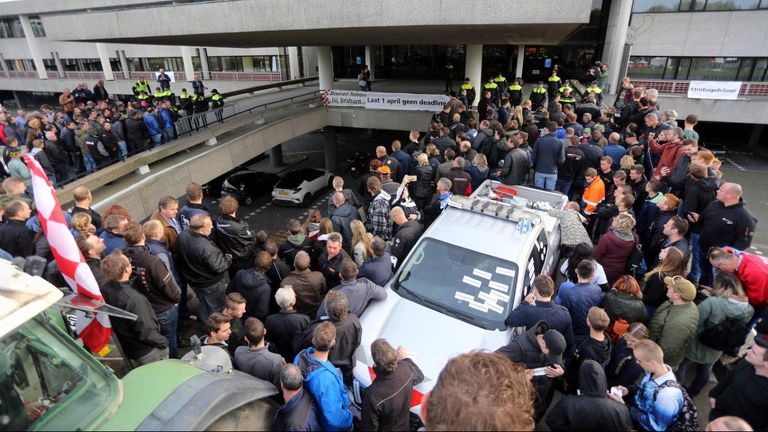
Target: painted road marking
{"type": "Point", "coordinates": [739, 167]}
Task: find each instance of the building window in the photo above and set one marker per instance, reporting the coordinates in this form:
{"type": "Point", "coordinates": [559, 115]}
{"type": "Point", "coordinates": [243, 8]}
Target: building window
{"type": "Point", "coordinates": [760, 68]}
{"type": "Point", "coordinates": [715, 5]}
{"type": "Point", "coordinates": [37, 26]}
{"type": "Point", "coordinates": [11, 28]}
{"type": "Point", "coordinates": [647, 67]}
{"type": "Point", "coordinates": [698, 68]}
{"type": "Point", "coordinates": [714, 69]}
{"type": "Point", "coordinates": [50, 65]}
{"type": "Point", "coordinates": [653, 6]}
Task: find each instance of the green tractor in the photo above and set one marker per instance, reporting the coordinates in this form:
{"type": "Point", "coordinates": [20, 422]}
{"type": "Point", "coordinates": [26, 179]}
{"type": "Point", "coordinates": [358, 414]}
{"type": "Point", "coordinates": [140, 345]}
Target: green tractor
{"type": "Point", "coordinates": [48, 381]}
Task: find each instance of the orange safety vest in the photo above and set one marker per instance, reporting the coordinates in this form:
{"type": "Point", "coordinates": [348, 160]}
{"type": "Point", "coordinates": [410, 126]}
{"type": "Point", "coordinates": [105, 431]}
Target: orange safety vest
{"type": "Point", "coordinates": [594, 193]}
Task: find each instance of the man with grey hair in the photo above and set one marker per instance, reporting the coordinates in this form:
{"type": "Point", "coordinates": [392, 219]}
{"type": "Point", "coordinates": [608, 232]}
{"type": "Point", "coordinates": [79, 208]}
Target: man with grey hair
{"type": "Point", "coordinates": [433, 209]}
{"type": "Point", "coordinates": [308, 286]}
{"type": "Point", "coordinates": [342, 218]}
{"type": "Point", "coordinates": [461, 180]}
{"type": "Point", "coordinates": [331, 259]}
{"type": "Point", "coordinates": [359, 291]}
{"type": "Point", "coordinates": [203, 265]}
{"type": "Point", "coordinates": [379, 268]}
{"type": "Point", "coordinates": [283, 326]}
{"type": "Point", "coordinates": [299, 412]}
{"type": "Point", "coordinates": [114, 225]}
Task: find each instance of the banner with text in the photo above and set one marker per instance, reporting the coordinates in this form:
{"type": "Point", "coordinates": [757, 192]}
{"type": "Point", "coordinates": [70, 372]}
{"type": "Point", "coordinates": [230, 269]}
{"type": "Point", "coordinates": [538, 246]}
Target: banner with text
{"type": "Point", "coordinates": [390, 101]}
{"type": "Point", "coordinates": [714, 90]}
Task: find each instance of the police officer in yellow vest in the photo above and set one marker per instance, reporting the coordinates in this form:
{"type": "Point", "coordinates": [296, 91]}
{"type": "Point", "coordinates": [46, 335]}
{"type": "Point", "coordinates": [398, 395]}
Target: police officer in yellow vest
{"type": "Point", "coordinates": [140, 86]}
{"type": "Point", "coordinates": [595, 90]}
{"type": "Point", "coordinates": [554, 82]}
{"type": "Point", "coordinates": [158, 94]}
{"type": "Point", "coordinates": [566, 97]}
{"type": "Point", "coordinates": [538, 96]}
{"type": "Point", "coordinates": [186, 102]}
{"type": "Point", "coordinates": [469, 91]}
{"type": "Point", "coordinates": [500, 81]}
{"type": "Point", "coordinates": [493, 88]}
{"type": "Point", "coordinates": [217, 101]}
{"type": "Point", "coordinates": [516, 92]}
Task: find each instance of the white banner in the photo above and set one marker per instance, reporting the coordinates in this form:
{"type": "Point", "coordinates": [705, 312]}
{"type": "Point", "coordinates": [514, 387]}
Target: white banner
{"type": "Point", "coordinates": [390, 101]}
{"type": "Point", "coordinates": [714, 90]}
{"type": "Point", "coordinates": [170, 74]}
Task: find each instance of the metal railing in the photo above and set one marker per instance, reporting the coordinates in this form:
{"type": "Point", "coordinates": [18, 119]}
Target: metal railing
{"type": "Point", "coordinates": [678, 87]}
{"type": "Point", "coordinates": [22, 74]}
{"type": "Point", "coordinates": [93, 75]}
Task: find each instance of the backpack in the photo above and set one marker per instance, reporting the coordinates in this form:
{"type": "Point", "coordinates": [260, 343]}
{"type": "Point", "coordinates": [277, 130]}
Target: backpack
{"type": "Point", "coordinates": [688, 417]}
{"type": "Point", "coordinates": [636, 264]}
{"type": "Point", "coordinates": [726, 336]}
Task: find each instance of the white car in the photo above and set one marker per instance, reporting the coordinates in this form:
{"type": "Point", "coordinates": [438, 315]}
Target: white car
{"type": "Point", "coordinates": [301, 186]}
{"type": "Point", "coordinates": [455, 288]}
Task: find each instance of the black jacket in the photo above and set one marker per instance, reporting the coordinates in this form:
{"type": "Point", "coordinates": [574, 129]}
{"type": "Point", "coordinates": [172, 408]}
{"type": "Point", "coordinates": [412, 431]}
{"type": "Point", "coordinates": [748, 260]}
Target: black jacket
{"type": "Point", "coordinates": [726, 226]}
{"type": "Point", "coordinates": [202, 262]}
{"type": "Point", "coordinates": [292, 246]}
{"type": "Point", "coordinates": [573, 166]}
{"type": "Point", "coordinates": [136, 134]}
{"type": "Point", "coordinates": [423, 187]}
{"type": "Point", "coordinates": [256, 289]}
{"type": "Point", "coordinates": [593, 409]}
{"type": "Point", "coordinates": [387, 401]}
{"type": "Point", "coordinates": [592, 155]}
{"type": "Point", "coordinates": [152, 278]}
{"type": "Point", "coordinates": [234, 236]}
{"type": "Point", "coordinates": [587, 349]}
{"type": "Point", "coordinates": [137, 337]}
{"type": "Point", "coordinates": [515, 168]}
{"type": "Point", "coordinates": [298, 414]}
{"type": "Point", "coordinates": [697, 195]}
{"type": "Point", "coordinates": [405, 238]}
{"type": "Point", "coordinates": [377, 270]}
{"type": "Point", "coordinates": [16, 239]}
{"type": "Point", "coordinates": [331, 268]}
{"type": "Point", "coordinates": [282, 328]}
{"type": "Point", "coordinates": [623, 369]}
{"type": "Point", "coordinates": [349, 334]}
{"type": "Point", "coordinates": [342, 217]}
{"type": "Point", "coordinates": [624, 305]}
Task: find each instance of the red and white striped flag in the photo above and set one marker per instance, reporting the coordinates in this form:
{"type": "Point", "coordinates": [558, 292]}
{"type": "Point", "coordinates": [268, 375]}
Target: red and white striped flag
{"type": "Point", "coordinates": [95, 330]}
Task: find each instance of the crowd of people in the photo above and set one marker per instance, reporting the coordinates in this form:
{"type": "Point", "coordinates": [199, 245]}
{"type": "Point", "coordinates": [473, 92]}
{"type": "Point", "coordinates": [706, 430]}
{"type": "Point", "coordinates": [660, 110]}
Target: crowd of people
{"type": "Point", "coordinates": [92, 129]}
{"type": "Point", "coordinates": [657, 280]}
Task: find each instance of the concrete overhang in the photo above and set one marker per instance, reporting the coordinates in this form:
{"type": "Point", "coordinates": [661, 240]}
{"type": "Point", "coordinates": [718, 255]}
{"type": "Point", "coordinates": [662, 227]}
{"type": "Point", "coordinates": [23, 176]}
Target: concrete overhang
{"type": "Point", "coordinates": [268, 23]}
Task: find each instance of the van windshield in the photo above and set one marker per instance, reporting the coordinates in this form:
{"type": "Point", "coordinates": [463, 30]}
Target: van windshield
{"type": "Point", "coordinates": [466, 284]}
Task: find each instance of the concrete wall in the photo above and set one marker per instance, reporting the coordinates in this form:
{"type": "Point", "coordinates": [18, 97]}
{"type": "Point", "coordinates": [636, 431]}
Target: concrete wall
{"type": "Point", "coordinates": [115, 87]}
{"type": "Point", "coordinates": [727, 111]}
{"type": "Point", "coordinates": [700, 34]}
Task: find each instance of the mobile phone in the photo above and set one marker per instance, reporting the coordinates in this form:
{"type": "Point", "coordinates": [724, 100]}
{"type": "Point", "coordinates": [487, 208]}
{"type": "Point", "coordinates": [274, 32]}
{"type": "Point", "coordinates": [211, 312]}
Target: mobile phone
{"type": "Point", "coordinates": [616, 391]}
{"type": "Point", "coordinates": [540, 371]}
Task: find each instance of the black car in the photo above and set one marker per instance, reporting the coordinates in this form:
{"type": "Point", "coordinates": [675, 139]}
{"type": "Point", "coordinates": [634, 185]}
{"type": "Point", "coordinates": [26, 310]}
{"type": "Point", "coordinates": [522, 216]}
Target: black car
{"type": "Point", "coordinates": [247, 185]}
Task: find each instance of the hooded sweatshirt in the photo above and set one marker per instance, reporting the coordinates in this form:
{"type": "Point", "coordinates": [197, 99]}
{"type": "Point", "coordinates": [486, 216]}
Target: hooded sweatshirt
{"type": "Point", "coordinates": [603, 412]}
{"type": "Point", "coordinates": [324, 383]}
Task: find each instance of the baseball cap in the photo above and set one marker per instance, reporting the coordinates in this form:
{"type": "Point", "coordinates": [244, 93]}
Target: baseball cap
{"type": "Point", "coordinates": [683, 286]}
{"type": "Point", "coordinates": [556, 346]}
{"type": "Point", "coordinates": [384, 169]}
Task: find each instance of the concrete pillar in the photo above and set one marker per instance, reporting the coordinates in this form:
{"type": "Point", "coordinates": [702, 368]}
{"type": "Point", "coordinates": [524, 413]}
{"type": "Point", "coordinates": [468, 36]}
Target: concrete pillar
{"type": "Point", "coordinates": [276, 156]}
{"type": "Point", "coordinates": [520, 59]}
{"type": "Point", "coordinates": [101, 48]}
{"type": "Point", "coordinates": [204, 63]}
{"type": "Point", "coordinates": [330, 148]}
{"type": "Point", "coordinates": [369, 60]}
{"type": "Point", "coordinates": [754, 136]}
{"type": "Point", "coordinates": [293, 62]}
{"type": "Point", "coordinates": [4, 67]}
{"type": "Point", "coordinates": [248, 64]}
{"type": "Point", "coordinates": [615, 39]}
{"type": "Point", "coordinates": [59, 66]}
{"type": "Point", "coordinates": [325, 69]}
{"type": "Point", "coordinates": [189, 67]}
{"type": "Point", "coordinates": [124, 64]}
{"type": "Point", "coordinates": [34, 49]}
{"type": "Point", "coordinates": [474, 70]}
{"type": "Point", "coordinates": [309, 56]}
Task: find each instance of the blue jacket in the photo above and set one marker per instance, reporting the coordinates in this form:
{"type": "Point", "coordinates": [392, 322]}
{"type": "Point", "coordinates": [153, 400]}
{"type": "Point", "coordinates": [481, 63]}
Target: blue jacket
{"type": "Point", "coordinates": [112, 242]}
{"type": "Point", "coordinates": [153, 127]}
{"type": "Point", "coordinates": [548, 154]}
{"type": "Point", "coordinates": [377, 270]}
{"type": "Point", "coordinates": [616, 152]}
{"type": "Point", "coordinates": [324, 383]}
{"type": "Point", "coordinates": [167, 118]}
{"type": "Point", "coordinates": [578, 298]}
{"type": "Point", "coordinates": [555, 315]}
{"type": "Point", "coordinates": [404, 159]}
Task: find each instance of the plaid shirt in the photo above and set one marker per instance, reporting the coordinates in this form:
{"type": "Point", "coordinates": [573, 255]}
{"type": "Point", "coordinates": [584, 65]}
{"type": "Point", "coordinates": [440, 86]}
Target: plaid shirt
{"type": "Point", "coordinates": [379, 223]}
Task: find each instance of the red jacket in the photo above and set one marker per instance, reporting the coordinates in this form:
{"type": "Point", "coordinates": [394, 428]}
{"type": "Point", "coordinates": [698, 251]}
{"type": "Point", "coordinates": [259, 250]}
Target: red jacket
{"type": "Point", "coordinates": [670, 153]}
{"type": "Point", "coordinates": [753, 274]}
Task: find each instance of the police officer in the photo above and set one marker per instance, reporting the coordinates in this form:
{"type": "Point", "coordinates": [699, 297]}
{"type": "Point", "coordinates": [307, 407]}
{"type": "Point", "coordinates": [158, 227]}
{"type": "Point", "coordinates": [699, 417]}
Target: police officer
{"type": "Point", "coordinates": [516, 92]}
{"type": "Point", "coordinates": [217, 101]}
{"type": "Point", "coordinates": [185, 99]}
{"type": "Point", "coordinates": [538, 96]}
{"type": "Point", "coordinates": [141, 86]}
{"type": "Point", "coordinates": [493, 88]}
{"type": "Point", "coordinates": [469, 89]}
{"type": "Point", "coordinates": [554, 83]}
{"type": "Point", "coordinates": [595, 89]}
{"type": "Point", "coordinates": [500, 81]}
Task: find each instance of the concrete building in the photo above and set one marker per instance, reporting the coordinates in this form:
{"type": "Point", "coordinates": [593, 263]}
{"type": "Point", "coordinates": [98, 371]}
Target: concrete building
{"type": "Point", "coordinates": [46, 46]}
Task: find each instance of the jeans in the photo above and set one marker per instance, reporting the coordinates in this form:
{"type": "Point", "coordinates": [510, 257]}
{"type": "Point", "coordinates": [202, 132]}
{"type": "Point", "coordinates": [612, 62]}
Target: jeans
{"type": "Point", "coordinates": [168, 135]}
{"type": "Point", "coordinates": [157, 140]}
{"type": "Point", "coordinates": [123, 146]}
{"type": "Point", "coordinates": [168, 320]}
{"type": "Point", "coordinates": [545, 181]}
{"type": "Point", "coordinates": [211, 299]}
{"type": "Point", "coordinates": [90, 163]}
{"type": "Point", "coordinates": [564, 187]}
{"type": "Point", "coordinates": [695, 272]}
{"type": "Point", "coordinates": [703, 372]}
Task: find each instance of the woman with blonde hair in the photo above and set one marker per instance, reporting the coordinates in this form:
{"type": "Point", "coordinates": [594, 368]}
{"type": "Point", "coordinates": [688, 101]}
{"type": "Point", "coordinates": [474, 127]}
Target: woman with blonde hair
{"type": "Point", "coordinates": [615, 247]}
{"type": "Point", "coordinates": [672, 264]}
{"type": "Point", "coordinates": [626, 163]}
{"type": "Point", "coordinates": [361, 242]}
{"type": "Point", "coordinates": [82, 225]}
{"type": "Point", "coordinates": [478, 170]}
{"type": "Point", "coordinates": [423, 189]}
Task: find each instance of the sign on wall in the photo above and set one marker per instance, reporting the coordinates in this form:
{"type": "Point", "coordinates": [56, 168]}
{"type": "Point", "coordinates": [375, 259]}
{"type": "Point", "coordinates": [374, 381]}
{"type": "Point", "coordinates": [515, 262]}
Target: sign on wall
{"type": "Point", "coordinates": [714, 90]}
{"type": "Point", "coordinates": [390, 101]}
{"type": "Point", "coordinates": [170, 74]}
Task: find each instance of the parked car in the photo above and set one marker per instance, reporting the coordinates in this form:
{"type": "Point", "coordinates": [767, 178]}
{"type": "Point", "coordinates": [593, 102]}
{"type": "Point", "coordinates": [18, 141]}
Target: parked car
{"type": "Point", "coordinates": [213, 187]}
{"type": "Point", "coordinates": [455, 288]}
{"type": "Point", "coordinates": [247, 185]}
{"type": "Point", "coordinates": [301, 186]}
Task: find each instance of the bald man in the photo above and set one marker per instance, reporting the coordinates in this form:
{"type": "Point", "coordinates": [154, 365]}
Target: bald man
{"type": "Point", "coordinates": [615, 150]}
{"type": "Point", "coordinates": [724, 222]}
{"type": "Point", "coordinates": [83, 200]}
{"type": "Point", "coordinates": [203, 265]}
{"type": "Point", "coordinates": [408, 232]}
